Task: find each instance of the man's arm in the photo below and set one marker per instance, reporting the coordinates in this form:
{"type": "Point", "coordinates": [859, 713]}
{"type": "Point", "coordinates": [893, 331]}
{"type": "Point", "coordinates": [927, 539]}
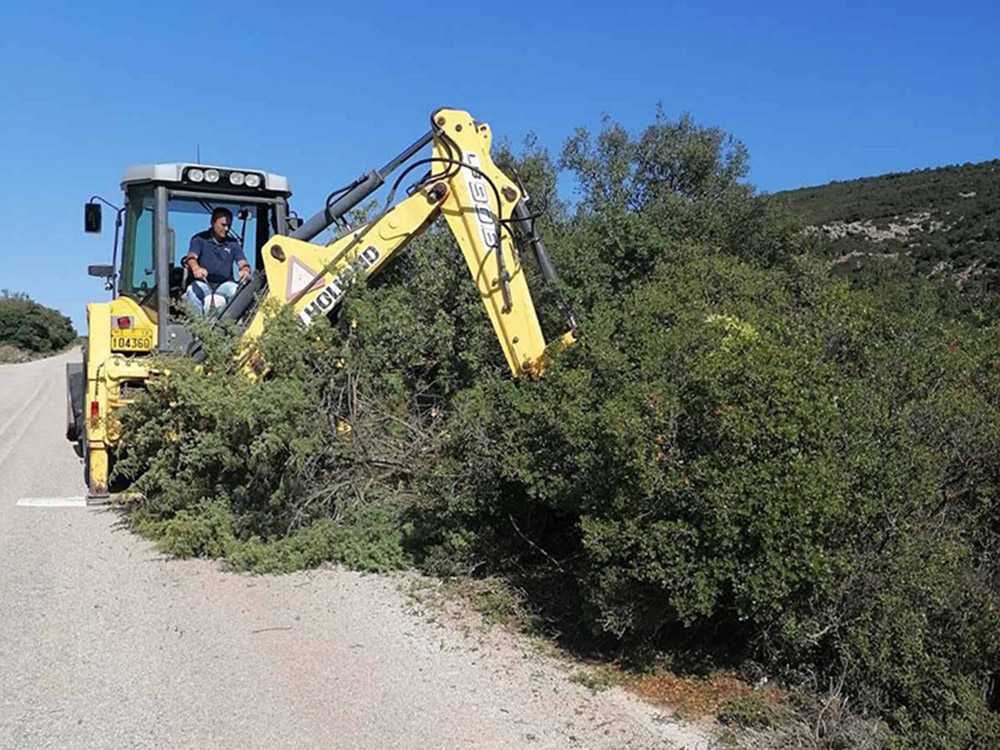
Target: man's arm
{"type": "Point", "coordinates": [241, 263]}
{"type": "Point", "coordinates": [191, 259]}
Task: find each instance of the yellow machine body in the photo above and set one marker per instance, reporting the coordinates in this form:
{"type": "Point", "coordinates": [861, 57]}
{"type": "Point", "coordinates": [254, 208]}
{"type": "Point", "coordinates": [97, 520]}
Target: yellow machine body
{"type": "Point", "coordinates": [112, 372]}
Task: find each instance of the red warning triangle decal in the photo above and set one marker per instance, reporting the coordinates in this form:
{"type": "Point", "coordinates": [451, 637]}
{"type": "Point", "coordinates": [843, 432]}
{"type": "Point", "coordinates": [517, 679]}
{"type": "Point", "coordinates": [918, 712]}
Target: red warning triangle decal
{"type": "Point", "coordinates": [299, 276]}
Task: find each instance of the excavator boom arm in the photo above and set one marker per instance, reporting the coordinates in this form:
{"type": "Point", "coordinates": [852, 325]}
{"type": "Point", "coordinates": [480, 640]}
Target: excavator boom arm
{"type": "Point", "coordinates": [476, 200]}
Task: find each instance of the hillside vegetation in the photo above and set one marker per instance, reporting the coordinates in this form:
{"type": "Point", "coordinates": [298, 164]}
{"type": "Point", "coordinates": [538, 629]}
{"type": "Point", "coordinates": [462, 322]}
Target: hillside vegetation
{"type": "Point", "coordinates": [27, 326]}
{"type": "Point", "coordinates": [744, 461]}
{"type": "Point", "coordinates": [946, 220]}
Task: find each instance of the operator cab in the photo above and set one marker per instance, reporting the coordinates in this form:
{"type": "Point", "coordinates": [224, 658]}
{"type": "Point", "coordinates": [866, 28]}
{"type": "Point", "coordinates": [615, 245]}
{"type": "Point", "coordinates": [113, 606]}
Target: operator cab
{"type": "Point", "coordinates": [258, 201]}
{"type": "Point", "coordinates": [165, 205]}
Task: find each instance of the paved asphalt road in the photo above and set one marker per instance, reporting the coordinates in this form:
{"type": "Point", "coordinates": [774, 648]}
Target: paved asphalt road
{"type": "Point", "coordinates": [106, 644]}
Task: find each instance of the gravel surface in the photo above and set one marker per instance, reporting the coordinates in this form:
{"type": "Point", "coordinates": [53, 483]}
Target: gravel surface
{"type": "Point", "coordinates": [106, 644]}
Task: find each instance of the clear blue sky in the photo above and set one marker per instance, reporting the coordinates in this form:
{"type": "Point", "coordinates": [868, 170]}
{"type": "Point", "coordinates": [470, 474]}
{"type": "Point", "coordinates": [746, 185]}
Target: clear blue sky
{"type": "Point", "coordinates": [321, 91]}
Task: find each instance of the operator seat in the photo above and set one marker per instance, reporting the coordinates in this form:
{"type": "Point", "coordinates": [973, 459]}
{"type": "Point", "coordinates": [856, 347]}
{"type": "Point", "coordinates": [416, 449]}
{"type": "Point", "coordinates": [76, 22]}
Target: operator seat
{"type": "Point", "coordinates": [180, 277]}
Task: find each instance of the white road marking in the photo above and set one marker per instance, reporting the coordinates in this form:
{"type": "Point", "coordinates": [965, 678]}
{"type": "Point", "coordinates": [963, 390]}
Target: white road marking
{"type": "Point", "coordinates": [53, 502]}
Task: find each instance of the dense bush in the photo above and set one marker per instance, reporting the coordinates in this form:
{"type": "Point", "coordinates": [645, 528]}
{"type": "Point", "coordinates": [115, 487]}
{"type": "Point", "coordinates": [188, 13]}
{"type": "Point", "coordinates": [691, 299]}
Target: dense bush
{"type": "Point", "coordinates": [28, 325]}
{"type": "Point", "coordinates": [741, 455]}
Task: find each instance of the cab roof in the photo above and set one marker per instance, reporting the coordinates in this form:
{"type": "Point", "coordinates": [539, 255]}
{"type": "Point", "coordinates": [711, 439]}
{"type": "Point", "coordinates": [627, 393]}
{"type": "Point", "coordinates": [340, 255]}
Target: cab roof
{"type": "Point", "coordinates": [177, 172]}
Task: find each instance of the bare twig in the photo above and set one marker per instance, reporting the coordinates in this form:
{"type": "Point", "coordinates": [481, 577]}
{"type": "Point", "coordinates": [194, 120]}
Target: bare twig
{"type": "Point", "coordinates": [533, 544]}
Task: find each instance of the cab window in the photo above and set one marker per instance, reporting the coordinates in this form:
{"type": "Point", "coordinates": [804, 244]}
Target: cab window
{"type": "Point", "coordinates": [189, 216]}
{"type": "Point", "coordinates": [138, 275]}
{"type": "Point", "coordinates": [186, 217]}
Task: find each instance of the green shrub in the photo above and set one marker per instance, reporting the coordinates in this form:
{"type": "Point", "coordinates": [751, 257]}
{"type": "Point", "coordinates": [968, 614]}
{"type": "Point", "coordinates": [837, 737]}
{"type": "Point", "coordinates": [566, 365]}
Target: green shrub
{"type": "Point", "coordinates": [254, 471]}
{"type": "Point", "coordinates": [28, 325]}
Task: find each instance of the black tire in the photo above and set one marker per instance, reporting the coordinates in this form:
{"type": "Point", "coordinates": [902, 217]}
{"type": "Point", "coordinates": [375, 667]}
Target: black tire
{"type": "Point", "coordinates": [76, 385]}
{"type": "Point", "coordinates": [85, 454]}
{"type": "Point", "coordinates": [72, 433]}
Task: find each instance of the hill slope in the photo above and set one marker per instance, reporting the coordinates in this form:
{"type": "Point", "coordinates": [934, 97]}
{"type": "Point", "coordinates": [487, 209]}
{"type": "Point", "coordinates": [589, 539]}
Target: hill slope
{"type": "Point", "coordinates": [947, 219]}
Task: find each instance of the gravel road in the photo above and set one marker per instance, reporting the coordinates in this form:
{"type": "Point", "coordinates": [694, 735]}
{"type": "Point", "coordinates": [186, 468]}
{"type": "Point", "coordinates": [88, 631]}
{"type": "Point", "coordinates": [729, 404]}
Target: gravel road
{"type": "Point", "coordinates": [106, 644]}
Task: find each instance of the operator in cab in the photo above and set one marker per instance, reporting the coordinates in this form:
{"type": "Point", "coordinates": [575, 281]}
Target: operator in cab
{"type": "Point", "coordinates": [210, 259]}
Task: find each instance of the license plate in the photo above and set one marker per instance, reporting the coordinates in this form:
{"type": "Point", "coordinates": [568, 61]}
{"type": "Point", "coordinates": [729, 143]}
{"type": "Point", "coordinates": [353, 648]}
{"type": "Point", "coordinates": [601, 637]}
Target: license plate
{"type": "Point", "coordinates": [127, 340]}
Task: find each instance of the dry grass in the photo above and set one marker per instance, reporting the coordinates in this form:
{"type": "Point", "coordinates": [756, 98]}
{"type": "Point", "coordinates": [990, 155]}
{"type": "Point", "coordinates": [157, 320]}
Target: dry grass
{"type": "Point", "coordinates": [601, 678]}
{"type": "Point", "coordinates": [813, 722]}
{"type": "Point", "coordinates": [698, 697]}
{"type": "Point", "coordinates": [494, 601]}
{"type": "Point", "coordinates": [12, 355]}
{"type": "Point", "coordinates": [765, 717]}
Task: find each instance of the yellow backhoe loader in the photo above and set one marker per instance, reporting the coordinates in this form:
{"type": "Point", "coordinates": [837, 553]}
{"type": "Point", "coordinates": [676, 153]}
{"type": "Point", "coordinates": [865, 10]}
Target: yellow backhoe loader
{"type": "Point", "coordinates": [164, 202]}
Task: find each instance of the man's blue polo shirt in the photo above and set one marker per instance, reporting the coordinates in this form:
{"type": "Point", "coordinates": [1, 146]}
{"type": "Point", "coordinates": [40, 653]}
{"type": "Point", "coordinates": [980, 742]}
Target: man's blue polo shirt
{"type": "Point", "coordinates": [216, 257]}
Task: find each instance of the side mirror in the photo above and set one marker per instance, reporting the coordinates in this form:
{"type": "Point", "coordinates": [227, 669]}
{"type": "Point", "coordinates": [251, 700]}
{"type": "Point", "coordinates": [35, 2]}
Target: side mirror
{"type": "Point", "coordinates": [92, 218]}
{"type": "Point", "coordinates": [101, 272]}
